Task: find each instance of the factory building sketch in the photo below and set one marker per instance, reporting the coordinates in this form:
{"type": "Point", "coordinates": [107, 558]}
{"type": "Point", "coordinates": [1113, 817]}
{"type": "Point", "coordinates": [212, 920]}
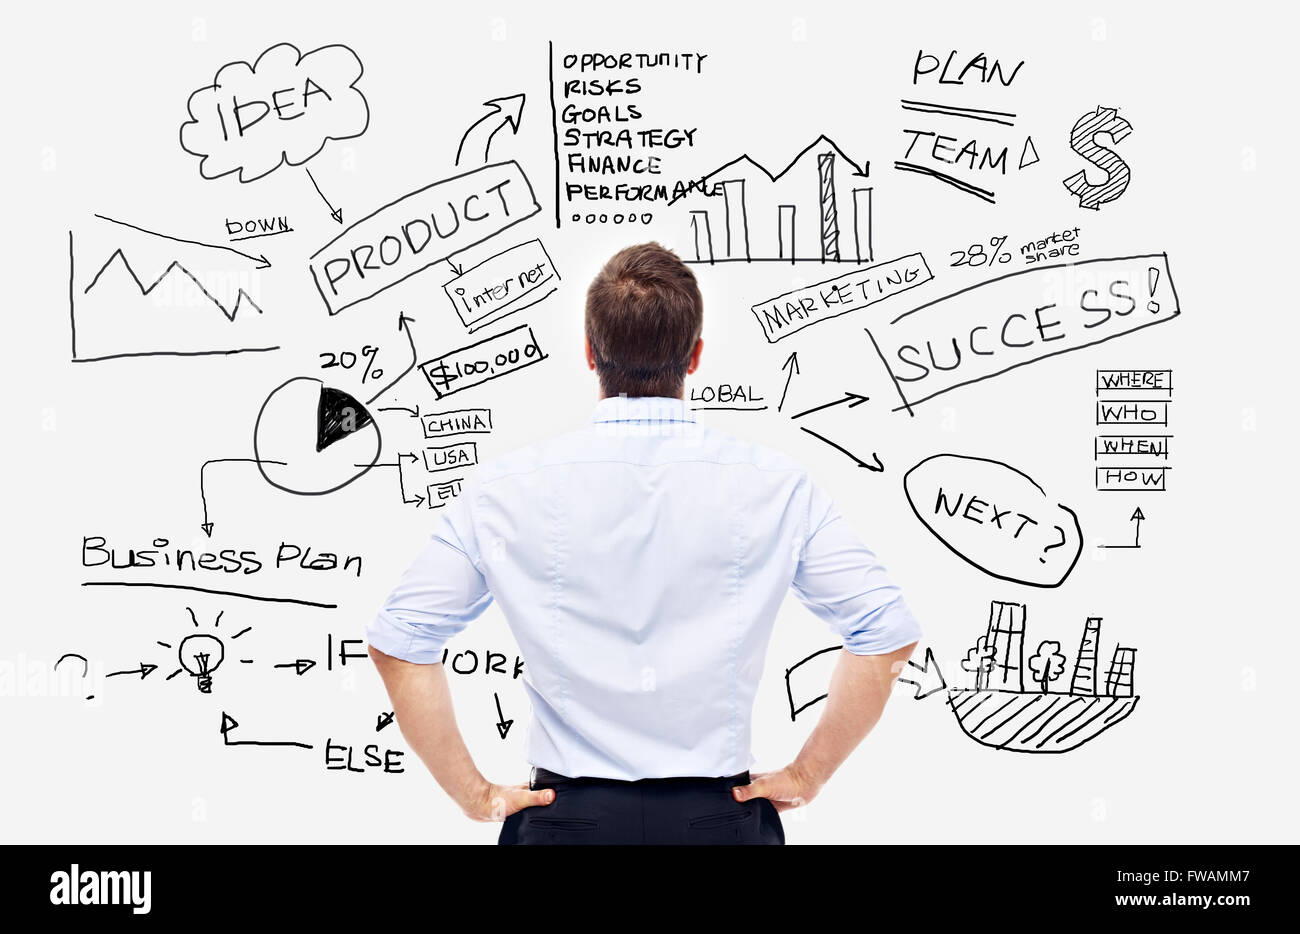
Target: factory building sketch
{"type": "Point", "coordinates": [1014, 704]}
{"type": "Point", "coordinates": [816, 209]}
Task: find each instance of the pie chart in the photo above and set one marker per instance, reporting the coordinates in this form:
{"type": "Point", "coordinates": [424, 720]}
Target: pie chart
{"type": "Point", "coordinates": [311, 439]}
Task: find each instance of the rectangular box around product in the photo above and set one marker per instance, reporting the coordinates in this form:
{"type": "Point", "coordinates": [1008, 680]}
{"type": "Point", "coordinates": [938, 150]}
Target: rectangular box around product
{"type": "Point", "coordinates": [418, 230]}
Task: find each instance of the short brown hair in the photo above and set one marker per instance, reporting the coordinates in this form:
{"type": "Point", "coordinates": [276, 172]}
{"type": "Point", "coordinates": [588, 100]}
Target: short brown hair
{"type": "Point", "coordinates": [644, 315]}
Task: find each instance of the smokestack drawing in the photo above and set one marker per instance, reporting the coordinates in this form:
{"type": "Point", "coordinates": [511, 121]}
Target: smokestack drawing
{"type": "Point", "coordinates": [1006, 633]}
{"type": "Point", "coordinates": [1119, 677]}
{"type": "Point", "coordinates": [1084, 680]}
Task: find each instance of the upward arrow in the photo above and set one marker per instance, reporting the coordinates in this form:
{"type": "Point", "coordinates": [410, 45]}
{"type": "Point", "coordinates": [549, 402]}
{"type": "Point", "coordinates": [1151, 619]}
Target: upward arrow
{"type": "Point", "coordinates": [1137, 518]}
{"type": "Point", "coordinates": [792, 362]}
{"type": "Point", "coordinates": [403, 324]}
{"type": "Point", "coordinates": [506, 111]}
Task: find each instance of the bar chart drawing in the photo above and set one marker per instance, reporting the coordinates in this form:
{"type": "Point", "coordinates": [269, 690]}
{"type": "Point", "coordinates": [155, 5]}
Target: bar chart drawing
{"type": "Point", "coordinates": [817, 209]}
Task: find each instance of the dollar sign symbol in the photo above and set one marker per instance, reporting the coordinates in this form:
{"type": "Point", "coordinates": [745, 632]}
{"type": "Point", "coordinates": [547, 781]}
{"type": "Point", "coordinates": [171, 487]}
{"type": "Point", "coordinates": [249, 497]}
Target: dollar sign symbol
{"type": "Point", "coordinates": [1083, 140]}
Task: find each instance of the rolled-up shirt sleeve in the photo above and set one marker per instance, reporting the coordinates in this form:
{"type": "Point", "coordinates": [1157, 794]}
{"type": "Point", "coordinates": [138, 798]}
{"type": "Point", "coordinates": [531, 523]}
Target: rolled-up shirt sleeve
{"type": "Point", "coordinates": [842, 582]}
{"type": "Point", "coordinates": [439, 594]}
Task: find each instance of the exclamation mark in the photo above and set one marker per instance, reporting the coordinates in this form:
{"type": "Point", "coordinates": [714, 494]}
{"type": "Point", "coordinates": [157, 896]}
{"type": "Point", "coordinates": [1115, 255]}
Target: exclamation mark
{"type": "Point", "coordinates": [1153, 277]}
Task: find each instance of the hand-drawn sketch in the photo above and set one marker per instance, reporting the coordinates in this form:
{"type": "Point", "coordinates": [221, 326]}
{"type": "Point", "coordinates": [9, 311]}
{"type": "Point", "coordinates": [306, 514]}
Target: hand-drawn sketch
{"type": "Point", "coordinates": [929, 681]}
{"type": "Point", "coordinates": [488, 359]}
{"type": "Point", "coordinates": [607, 171]}
{"type": "Point", "coordinates": [1132, 399]}
{"type": "Point", "coordinates": [806, 680]}
{"type": "Point", "coordinates": [816, 209]}
{"type": "Point", "coordinates": [1005, 323]}
{"type": "Point", "coordinates": [504, 283]}
{"type": "Point", "coordinates": [200, 654]}
{"type": "Point", "coordinates": [311, 439]}
{"type": "Point", "coordinates": [85, 667]}
{"type": "Point", "coordinates": [431, 217]}
{"type": "Point", "coordinates": [947, 145]}
{"type": "Point", "coordinates": [1104, 121]}
{"type": "Point", "coordinates": [280, 110]}
{"type": "Point", "coordinates": [229, 723]}
{"type": "Point", "coordinates": [1136, 519]}
{"type": "Point", "coordinates": [784, 315]}
{"type": "Point", "coordinates": [854, 400]}
{"type": "Point", "coordinates": [476, 144]}
{"type": "Point", "coordinates": [995, 518]}
{"type": "Point", "coordinates": [134, 292]}
{"type": "Point", "coordinates": [503, 725]}
{"type": "Point", "coordinates": [1012, 705]}
{"type": "Point", "coordinates": [418, 230]}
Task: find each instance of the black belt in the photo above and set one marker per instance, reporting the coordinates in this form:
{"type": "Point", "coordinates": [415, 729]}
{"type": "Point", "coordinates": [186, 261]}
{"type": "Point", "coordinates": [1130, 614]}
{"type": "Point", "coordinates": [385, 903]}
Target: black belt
{"type": "Point", "coordinates": [545, 778]}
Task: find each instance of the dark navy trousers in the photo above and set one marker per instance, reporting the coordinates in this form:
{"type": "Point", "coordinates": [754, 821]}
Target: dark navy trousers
{"type": "Point", "coordinates": [654, 811]}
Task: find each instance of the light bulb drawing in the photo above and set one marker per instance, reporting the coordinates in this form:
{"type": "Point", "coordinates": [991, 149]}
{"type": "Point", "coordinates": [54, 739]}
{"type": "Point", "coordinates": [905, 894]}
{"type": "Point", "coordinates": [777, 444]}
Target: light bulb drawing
{"type": "Point", "coordinates": [201, 654]}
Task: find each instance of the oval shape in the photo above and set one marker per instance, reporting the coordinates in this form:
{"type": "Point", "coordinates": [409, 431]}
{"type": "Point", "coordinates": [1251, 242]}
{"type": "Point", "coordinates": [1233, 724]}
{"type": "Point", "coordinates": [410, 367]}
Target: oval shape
{"type": "Point", "coordinates": [996, 518]}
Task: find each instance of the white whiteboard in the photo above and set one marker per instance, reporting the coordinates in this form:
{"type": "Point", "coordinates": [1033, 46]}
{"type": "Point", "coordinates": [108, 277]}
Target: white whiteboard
{"type": "Point", "coordinates": [914, 157]}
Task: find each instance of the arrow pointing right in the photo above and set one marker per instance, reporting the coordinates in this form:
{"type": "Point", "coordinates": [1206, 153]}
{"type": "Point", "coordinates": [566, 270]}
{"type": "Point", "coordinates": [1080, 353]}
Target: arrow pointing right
{"type": "Point", "coordinates": [925, 682]}
{"type": "Point", "coordinates": [143, 671]}
{"type": "Point", "coordinates": [301, 666]}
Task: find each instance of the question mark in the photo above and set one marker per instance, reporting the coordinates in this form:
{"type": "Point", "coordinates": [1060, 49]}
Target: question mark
{"type": "Point", "coordinates": [1042, 559]}
{"type": "Point", "coordinates": [85, 667]}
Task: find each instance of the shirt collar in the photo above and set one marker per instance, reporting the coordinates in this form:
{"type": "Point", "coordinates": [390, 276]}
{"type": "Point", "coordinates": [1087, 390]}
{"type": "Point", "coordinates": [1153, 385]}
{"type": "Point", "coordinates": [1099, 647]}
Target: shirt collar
{"type": "Point", "coordinates": [641, 409]}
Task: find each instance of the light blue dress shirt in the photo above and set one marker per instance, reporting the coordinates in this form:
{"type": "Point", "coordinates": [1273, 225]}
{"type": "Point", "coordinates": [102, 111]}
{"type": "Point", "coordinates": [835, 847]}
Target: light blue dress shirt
{"type": "Point", "coordinates": [640, 562]}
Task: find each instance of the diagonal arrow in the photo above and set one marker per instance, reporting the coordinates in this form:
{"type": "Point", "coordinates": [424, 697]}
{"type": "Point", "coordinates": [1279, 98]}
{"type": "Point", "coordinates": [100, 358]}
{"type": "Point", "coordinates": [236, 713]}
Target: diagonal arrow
{"type": "Point", "coordinates": [503, 725]}
{"type": "Point", "coordinates": [792, 362]}
{"type": "Point", "coordinates": [384, 720]}
{"type": "Point", "coordinates": [506, 111]}
{"type": "Point", "coordinates": [852, 398]}
{"type": "Point", "coordinates": [877, 468]}
{"type": "Point", "coordinates": [403, 324]}
{"type": "Point", "coordinates": [336, 214]}
{"type": "Point", "coordinates": [143, 671]}
{"type": "Point", "coordinates": [261, 260]}
{"type": "Point", "coordinates": [925, 681]}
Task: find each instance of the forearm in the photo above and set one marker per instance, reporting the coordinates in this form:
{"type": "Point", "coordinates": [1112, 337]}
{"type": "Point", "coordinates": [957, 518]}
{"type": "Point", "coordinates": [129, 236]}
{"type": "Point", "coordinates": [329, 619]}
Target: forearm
{"type": "Point", "coordinates": [860, 686]}
{"type": "Point", "coordinates": [421, 700]}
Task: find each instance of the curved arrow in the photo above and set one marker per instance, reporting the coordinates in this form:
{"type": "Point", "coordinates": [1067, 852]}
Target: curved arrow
{"type": "Point", "coordinates": [506, 111]}
{"type": "Point", "coordinates": [207, 526]}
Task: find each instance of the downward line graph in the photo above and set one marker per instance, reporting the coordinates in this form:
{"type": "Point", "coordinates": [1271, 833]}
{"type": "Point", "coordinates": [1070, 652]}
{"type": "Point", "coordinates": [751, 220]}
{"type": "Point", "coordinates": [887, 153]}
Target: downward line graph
{"type": "Point", "coordinates": [115, 315]}
{"type": "Point", "coordinates": [229, 313]}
